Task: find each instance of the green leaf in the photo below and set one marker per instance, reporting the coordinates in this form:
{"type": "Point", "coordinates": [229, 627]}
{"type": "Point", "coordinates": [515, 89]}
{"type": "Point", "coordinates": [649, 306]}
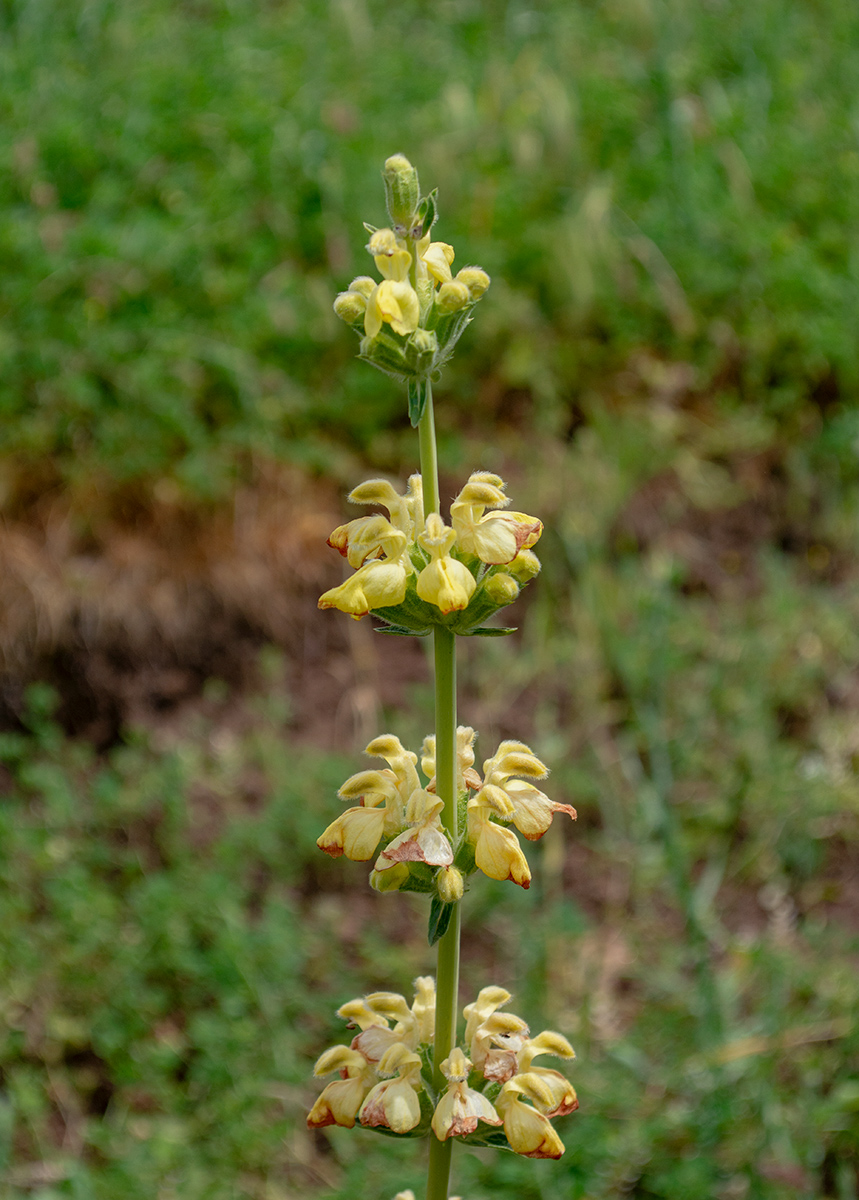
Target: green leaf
{"type": "Point", "coordinates": [401, 631]}
{"type": "Point", "coordinates": [417, 400]}
{"type": "Point", "coordinates": [488, 631]}
{"type": "Point", "coordinates": [439, 919]}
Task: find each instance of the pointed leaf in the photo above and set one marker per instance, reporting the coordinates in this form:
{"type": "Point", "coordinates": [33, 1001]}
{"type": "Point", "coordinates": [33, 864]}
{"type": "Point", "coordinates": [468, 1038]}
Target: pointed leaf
{"type": "Point", "coordinates": [417, 400]}
{"type": "Point", "coordinates": [401, 631]}
{"type": "Point", "coordinates": [439, 919]}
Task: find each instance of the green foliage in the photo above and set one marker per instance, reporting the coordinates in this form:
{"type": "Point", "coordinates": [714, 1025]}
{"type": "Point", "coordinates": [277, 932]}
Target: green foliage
{"type": "Point", "coordinates": [184, 186]}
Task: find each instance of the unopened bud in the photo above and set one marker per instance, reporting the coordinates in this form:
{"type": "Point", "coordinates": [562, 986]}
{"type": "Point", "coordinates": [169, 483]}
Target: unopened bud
{"type": "Point", "coordinates": [525, 566]}
{"type": "Point", "coordinates": [449, 884]}
{"type": "Point", "coordinates": [452, 297]}
{"type": "Point", "coordinates": [475, 279]}
{"type": "Point", "coordinates": [390, 880]}
{"type": "Point", "coordinates": [350, 307]}
{"type": "Point", "coordinates": [424, 341]}
{"type": "Point", "coordinates": [402, 192]}
{"type": "Point", "coordinates": [421, 350]}
{"type": "Point", "coordinates": [363, 285]}
{"type": "Point", "coordinates": [501, 589]}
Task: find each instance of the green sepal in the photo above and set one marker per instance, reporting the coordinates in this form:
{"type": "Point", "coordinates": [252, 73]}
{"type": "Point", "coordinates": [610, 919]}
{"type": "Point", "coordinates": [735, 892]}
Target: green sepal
{"type": "Point", "coordinates": [488, 1136]}
{"type": "Point", "coordinates": [425, 1050]}
{"type": "Point", "coordinates": [420, 879]}
{"type": "Point", "coordinates": [489, 631]}
{"type": "Point", "coordinates": [417, 400]}
{"type": "Point", "coordinates": [439, 919]}
{"type": "Point", "coordinates": [461, 813]}
{"type": "Point", "coordinates": [428, 211]}
{"type": "Point", "coordinates": [464, 860]}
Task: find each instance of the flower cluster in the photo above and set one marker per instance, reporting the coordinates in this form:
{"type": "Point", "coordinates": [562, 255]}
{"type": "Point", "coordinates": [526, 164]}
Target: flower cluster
{"type": "Point", "coordinates": [417, 572]}
{"type": "Point", "coordinates": [494, 1093]}
{"type": "Point", "coordinates": [412, 319]}
{"type": "Point", "coordinates": [393, 807]}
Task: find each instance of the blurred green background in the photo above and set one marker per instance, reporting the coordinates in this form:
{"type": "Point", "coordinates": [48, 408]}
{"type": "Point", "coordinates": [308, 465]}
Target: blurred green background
{"type": "Point", "coordinates": [666, 195]}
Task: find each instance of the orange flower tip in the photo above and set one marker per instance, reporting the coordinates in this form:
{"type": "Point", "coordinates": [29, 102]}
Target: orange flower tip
{"type": "Point", "coordinates": [555, 1151]}
{"type": "Point", "coordinates": [325, 1118]}
{"type": "Point", "coordinates": [564, 1110]}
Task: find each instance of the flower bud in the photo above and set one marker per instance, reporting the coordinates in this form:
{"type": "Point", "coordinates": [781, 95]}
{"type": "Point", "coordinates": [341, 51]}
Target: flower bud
{"type": "Point", "coordinates": [421, 350]}
{"type": "Point", "coordinates": [402, 192]}
{"type": "Point", "coordinates": [363, 285]}
{"type": "Point", "coordinates": [390, 880]}
{"type": "Point", "coordinates": [525, 566]}
{"type": "Point", "coordinates": [350, 307]}
{"type": "Point", "coordinates": [475, 279]}
{"type": "Point", "coordinates": [452, 297]}
{"type": "Point", "coordinates": [449, 884]}
{"type": "Point", "coordinates": [501, 589]}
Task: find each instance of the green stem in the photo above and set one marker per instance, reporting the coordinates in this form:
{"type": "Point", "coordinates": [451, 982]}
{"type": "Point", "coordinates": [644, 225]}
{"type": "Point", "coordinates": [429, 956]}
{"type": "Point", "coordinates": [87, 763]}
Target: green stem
{"type": "Point", "coordinates": [447, 975]}
{"type": "Point", "coordinates": [429, 453]}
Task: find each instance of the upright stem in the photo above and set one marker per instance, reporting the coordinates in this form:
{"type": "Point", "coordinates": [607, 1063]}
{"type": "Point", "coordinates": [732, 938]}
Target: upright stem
{"type": "Point", "coordinates": [447, 977]}
{"type": "Point", "coordinates": [429, 454]}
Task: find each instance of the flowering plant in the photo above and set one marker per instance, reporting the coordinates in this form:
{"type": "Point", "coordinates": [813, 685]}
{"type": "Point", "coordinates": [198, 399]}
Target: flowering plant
{"type": "Point", "coordinates": [405, 1073]}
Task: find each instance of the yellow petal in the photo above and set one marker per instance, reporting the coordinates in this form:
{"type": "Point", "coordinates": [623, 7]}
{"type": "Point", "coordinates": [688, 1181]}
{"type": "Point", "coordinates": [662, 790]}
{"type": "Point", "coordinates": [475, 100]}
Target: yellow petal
{"type": "Point", "coordinates": [356, 833]}
{"type": "Point", "coordinates": [446, 583]}
{"type": "Point", "coordinates": [438, 256]}
{"type": "Point", "coordinates": [530, 1133]}
{"type": "Point", "coordinates": [499, 855]}
{"type": "Point", "coordinates": [398, 304]}
{"type": "Point", "coordinates": [338, 1104]}
{"type": "Point", "coordinates": [378, 584]}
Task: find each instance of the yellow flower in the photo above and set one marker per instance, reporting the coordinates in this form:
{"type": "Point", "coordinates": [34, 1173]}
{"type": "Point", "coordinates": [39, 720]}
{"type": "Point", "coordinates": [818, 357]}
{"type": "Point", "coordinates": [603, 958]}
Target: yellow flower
{"type": "Point", "coordinates": [529, 1132]}
{"type": "Point", "coordinates": [505, 1032]}
{"type": "Point", "coordinates": [466, 777]}
{"type": "Point", "coordinates": [391, 257]}
{"type": "Point", "coordinates": [394, 1103]}
{"type": "Point", "coordinates": [356, 833]}
{"type": "Point", "coordinates": [494, 537]}
{"type": "Point", "coordinates": [393, 303]}
{"type": "Point", "coordinates": [380, 583]}
{"type": "Point", "coordinates": [406, 512]}
{"type": "Point", "coordinates": [423, 1007]}
{"type": "Point", "coordinates": [445, 582]}
{"type": "Point", "coordinates": [340, 1101]}
{"type": "Point", "coordinates": [560, 1097]}
{"type": "Point", "coordinates": [530, 810]}
{"type": "Point", "coordinates": [361, 539]}
{"type": "Point", "coordinates": [373, 1015]}
{"type": "Point", "coordinates": [461, 1107]}
{"type": "Point", "coordinates": [383, 795]}
{"type": "Point", "coordinates": [434, 259]}
{"type": "Point", "coordinates": [423, 840]}
{"type": "Point", "coordinates": [394, 300]}
{"type": "Point", "coordinates": [488, 1000]}
{"type": "Point", "coordinates": [497, 852]}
